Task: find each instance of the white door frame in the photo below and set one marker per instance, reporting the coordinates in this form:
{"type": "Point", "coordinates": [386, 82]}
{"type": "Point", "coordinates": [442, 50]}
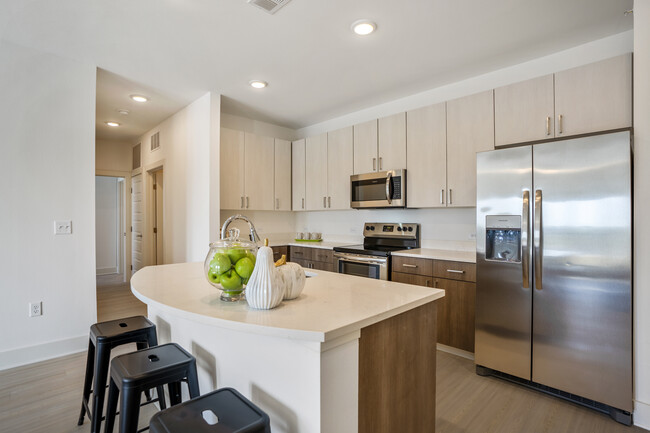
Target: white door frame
{"type": "Point", "coordinates": [126, 208]}
{"type": "Point", "coordinates": [148, 253]}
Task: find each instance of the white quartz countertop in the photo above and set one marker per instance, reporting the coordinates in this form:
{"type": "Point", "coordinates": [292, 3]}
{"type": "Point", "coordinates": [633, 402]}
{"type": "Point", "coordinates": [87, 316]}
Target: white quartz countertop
{"type": "Point", "coordinates": [426, 253]}
{"type": "Point", "coordinates": [327, 245]}
{"type": "Point", "coordinates": [331, 305]}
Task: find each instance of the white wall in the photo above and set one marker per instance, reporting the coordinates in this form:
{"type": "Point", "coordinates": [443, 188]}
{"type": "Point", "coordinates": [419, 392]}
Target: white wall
{"type": "Point", "coordinates": [186, 152]}
{"type": "Point", "coordinates": [47, 135]}
{"type": "Point", "coordinates": [107, 224]}
{"type": "Point", "coordinates": [113, 155]}
{"type": "Point", "coordinates": [641, 212]}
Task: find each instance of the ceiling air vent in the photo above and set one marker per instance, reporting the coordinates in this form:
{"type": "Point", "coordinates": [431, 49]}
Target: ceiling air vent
{"type": "Point", "coordinates": [270, 6]}
{"type": "Point", "coordinates": [155, 141]}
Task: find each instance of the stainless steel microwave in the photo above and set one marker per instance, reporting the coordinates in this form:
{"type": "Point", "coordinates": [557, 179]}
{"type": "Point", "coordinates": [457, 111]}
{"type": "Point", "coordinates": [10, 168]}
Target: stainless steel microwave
{"type": "Point", "coordinates": [378, 189]}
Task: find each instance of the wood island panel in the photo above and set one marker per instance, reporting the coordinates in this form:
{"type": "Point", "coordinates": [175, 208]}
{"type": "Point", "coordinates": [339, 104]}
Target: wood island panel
{"type": "Point", "coordinates": [397, 373]}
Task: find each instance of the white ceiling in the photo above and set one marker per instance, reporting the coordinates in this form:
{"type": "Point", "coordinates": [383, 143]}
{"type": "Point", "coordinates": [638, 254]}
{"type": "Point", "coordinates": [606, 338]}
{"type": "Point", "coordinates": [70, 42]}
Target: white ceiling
{"type": "Point", "coordinates": [316, 67]}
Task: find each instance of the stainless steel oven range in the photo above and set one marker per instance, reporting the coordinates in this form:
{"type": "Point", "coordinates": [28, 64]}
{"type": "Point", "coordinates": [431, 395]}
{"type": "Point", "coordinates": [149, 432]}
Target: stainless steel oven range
{"type": "Point", "coordinates": [372, 258]}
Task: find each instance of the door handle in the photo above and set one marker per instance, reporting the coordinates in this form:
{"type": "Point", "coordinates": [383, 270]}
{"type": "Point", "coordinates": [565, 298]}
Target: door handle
{"type": "Point", "coordinates": [559, 121]}
{"type": "Point", "coordinates": [454, 271]}
{"type": "Point", "coordinates": [548, 125]}
{"type": "Point", "coordinates": [388, 184]}
{"type": "Point", "coordinates": [406, 265]}
{"type": "Point", "coordinates": [324, 202]}
{"type": "Point", "coordinates": [538, 242]}
{"type": "Point", "coordinates": [380, 164]}
{"type": "Point", "coordinates": [246, 202]}
{"type": "Point", "coordinates": [329, 202]}
{"type": "Point", "coordinates": [138, 236]}
{"type": "Point", "coordinates": [525, 227]}
{"type": "Point", "coordinates": [303, 203]}
{"type": "Point", "coordinates": [442, 196]}
{"type": "Point", "coordinates": [374, 164]}
{"type": "Point", "coordinates": [242, 202]}
{"type": "Point", "coordinates": [449, 195]}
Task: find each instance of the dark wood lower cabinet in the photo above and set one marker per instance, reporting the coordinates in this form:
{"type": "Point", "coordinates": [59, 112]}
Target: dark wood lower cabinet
{"type": "Point", "coordinates": [418, 280]}
{"type": "Point", "coordinates": [456, 313]}
{"type": "Point", "coordinates": [397, 373]}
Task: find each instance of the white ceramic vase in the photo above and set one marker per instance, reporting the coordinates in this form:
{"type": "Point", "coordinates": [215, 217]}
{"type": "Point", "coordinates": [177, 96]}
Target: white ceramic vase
{"type": "Point", "coordinates": [265, 288]}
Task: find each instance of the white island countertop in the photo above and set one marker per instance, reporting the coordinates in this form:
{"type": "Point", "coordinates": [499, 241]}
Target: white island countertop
{"type": "Point", "coordinates": [331, 305]}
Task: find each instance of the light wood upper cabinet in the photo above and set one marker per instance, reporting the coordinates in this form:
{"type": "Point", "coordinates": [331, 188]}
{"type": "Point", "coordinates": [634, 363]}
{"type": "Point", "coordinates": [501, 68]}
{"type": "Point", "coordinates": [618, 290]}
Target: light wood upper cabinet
{"type": "Point", "coordinates": [298, 175]}
{"type": "Point", "coordinates": [594, 97]}
{"type": "Point", "coordinates": [392, 142]}
{"type": "Point", "coordinates": [339, 168]}
{"type": "Point", "coordinates": [365, 147]}
{"type": "Point", "coordinates": [258, 169]}
{"type": "Point", "coordinates": [232, 169]}
{"type": "Point", "coordinates": [316, 169]}
{"type": "Point", "coordinates": [470, 129]}
{"type": "Point", "coordinates": [524, 111]}
{"type": "Point", "coordinates": [426, 159]}
{"type": "Point", "coordinates": [282, 174]}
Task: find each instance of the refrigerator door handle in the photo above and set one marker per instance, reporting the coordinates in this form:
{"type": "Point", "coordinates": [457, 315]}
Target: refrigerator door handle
{"type": "Point", "coordinates": [525, 239]}
{"type": "Point", "coordinates": [538, 239]}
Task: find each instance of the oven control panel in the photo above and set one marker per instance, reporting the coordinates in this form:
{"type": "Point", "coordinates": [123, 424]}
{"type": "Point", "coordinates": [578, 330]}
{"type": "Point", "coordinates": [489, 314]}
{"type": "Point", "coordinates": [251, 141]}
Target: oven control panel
{"type": "Point", "coordinates": [391, 230]}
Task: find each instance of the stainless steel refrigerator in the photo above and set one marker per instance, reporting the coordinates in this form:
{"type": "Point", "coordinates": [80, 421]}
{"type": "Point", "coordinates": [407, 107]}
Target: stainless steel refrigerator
{"type": "Point", "coordinates": [554, 268]}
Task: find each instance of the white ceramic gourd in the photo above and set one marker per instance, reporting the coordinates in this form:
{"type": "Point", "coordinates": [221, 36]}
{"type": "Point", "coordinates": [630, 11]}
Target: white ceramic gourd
{"type": "Point", "coordinates": [294, 279]}
{"type": "Point", "coordinates": [265, 288]}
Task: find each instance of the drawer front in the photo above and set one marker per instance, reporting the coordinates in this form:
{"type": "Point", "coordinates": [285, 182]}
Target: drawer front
{"type": "Point", "coordinates": [279, 251]}
{"type": "Point", "coordinates": [304, 263]}
{"type": "Point", "coordinates": [300, 253]}
{"type": "Point", "coordinates": [454, 270]}
{"type": "Point", "coordinates": [418, 280]}
{"type": "Point", "coordinates": [322, 255]}
{"type": "Point", "coordinates": [323, 266]}
{"type": "Point", "coordinates": [411, 265]}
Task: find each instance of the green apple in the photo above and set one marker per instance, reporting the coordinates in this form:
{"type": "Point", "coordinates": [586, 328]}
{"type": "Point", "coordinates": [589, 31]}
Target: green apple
{"type": "Point", "coordinates": [251, 256]}
{"type": "Point", "coordinates": [244, 267]}
{"type": "Point", "coordinates": [236, 254]}
{"type": "Point", "coordinates": [231, 282]}
{"type": "Point", "coordinates": [220, 263]}
{"type": "Point", "coordinates": [213, 277]}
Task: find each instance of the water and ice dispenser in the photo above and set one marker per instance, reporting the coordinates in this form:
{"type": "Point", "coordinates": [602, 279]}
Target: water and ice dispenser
{"type": "Point", "coordinates": [503, 238]}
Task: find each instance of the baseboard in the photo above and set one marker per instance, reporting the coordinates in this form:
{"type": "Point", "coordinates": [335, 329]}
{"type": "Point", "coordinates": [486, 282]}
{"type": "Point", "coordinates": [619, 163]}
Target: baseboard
{"type": "Point", "coordinates": [454, 351]}
{"type": "Point", "coordinates": [107, 271]}
{"type": "Point", "coordinates": [642, 414]}
{"type": "Point", "coordinates": [41, 352]}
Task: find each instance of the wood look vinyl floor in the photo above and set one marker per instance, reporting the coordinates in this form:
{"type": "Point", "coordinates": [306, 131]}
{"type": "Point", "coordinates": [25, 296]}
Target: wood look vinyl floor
{"type": "Point", "coordinates": [46, 396]}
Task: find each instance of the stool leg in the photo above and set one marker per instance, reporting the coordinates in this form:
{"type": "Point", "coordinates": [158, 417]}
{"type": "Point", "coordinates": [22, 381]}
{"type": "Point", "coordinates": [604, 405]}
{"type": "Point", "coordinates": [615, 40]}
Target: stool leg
{"type": "Point", "coordinates": [88, 380]}
{"type": "Point", "coordinates": [143, 345]}
{"type": "Point", "coordinates": [193, 380]}
{"type": "Point", "coordinates": [152, 338]}
{"type": "Point", "coordinates": [102, 359]}
{"type": "Point", "coordinates": [111, 407]}
{"type": "Point", "coordinates": [174, 393]}
{"type": "Point", "coordinates": [129, 410]}
{"type": "Point", "coordinates": [161, 397]}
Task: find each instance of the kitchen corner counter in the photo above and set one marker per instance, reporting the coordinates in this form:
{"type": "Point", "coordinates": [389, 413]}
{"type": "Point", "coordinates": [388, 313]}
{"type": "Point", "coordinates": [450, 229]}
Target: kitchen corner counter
{"type": "Point", "coordinates": [450, 255]}
{"type": "Point", "coordinates": [326, 245]}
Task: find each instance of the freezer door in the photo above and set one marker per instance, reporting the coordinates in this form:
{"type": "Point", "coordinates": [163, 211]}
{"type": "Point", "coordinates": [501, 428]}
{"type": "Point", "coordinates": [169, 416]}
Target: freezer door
{"type": "Point", "coordinates": [582, 300]}
{"type": "Point", "coordinates": [503, 253]}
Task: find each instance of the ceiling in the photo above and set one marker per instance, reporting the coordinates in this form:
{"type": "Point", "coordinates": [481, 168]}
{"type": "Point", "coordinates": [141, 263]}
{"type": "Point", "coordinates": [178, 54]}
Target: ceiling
{"type": "Point", "coordinates": [316, 67]}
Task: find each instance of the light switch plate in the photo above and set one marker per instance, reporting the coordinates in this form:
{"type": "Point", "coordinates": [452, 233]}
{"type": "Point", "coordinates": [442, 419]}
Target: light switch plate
{"type": "Point", "coordinates": [63, 227]}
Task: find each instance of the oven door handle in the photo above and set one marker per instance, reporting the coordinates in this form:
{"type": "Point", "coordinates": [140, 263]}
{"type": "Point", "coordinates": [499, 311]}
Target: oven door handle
{"type": "Point", "coordinates": [389, 195]}
{"type": "Point", "coordinates": [359, 259]}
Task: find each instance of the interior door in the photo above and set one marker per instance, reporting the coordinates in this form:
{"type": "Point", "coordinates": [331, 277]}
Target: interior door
{"type": "Point", "coordinates": [582, 303]}
{"type": "Point", "coordinates": [503, 280]}
{"type": "Point", "coordinates": [137, 222]}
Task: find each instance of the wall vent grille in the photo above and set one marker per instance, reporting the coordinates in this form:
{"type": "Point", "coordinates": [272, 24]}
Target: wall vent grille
{"type": "Point", "coordinates": [270, 6]}
{"type": "Point", "coordinates": [155, 141]}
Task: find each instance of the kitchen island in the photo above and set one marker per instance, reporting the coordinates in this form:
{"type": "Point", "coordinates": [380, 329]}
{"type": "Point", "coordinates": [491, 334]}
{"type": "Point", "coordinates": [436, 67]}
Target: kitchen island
{"type": "Point", "coordinates": [350, 354]}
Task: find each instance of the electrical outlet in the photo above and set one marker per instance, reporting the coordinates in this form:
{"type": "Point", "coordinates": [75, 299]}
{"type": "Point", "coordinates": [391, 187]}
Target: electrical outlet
{"type": "Point", "coordinates": [63, 227]}
{"type": "Point", "coordinates": [35, 309]}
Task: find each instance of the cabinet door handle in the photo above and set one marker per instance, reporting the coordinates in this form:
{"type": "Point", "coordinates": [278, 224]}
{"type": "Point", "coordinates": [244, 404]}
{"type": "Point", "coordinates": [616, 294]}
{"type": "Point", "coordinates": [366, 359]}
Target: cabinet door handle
{"type": "Point", "coordinates": [242, 202]}
{"type": "Point", "coordinates": [380, 164]}
{"type": "Point", "coordinates": [406, 265]}
{"type": "Point", "coordinates": [559, 121]}
{"type": "Point", "coordinates": [246, 202]}
{"type": "Point", "coordinates": [303, 203]}
{"type": "Point", "coordinates": [427, 283]}
{"type": "Point", "coordinates": [548, 125]}
{"type": "Point", "coordinates": [442, 196]}
{"type": "Point", "coordinates": [324, 202]}
{"type": "Point", "coordinates": [277, 203]}
{"type": "Point", "coordinates": [329, 202]}
{"type": "Point", "coordinates": [449, 195]}
{"type": "Point", "coordinates": [374, 164]}
{"type": "Point", "coordinates": [435, 284]}
{"type": "Point", "coordinates": [454, 271]}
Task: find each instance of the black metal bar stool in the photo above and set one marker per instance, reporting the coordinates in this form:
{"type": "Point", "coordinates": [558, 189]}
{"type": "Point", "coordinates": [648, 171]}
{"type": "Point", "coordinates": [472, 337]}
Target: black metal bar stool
{"type": "Point", "coordinates": [133, 373]}
{"type": "Point", "coordinates": [227, 412]}
{"type": "Point", "coordinates": [105, 336]}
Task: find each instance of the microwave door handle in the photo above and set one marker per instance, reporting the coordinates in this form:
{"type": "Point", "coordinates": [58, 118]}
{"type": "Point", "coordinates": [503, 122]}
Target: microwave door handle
{"type": "Point", "coordinates": [388, 187]}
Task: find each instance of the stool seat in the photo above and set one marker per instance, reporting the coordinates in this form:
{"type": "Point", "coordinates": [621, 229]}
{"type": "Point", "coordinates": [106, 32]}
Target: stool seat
{"type": "Point", "coordinates": [234, 413]}
{"type": "Point", "coordinates": [104, 336]}
{"type": "Point", "coordinates": [133, 373]}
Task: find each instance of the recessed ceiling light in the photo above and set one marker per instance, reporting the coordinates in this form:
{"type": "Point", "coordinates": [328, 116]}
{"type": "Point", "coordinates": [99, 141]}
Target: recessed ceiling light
{"type": "Point", "coordinates": [363, 27]}
{"type": "Point", "coordinates": [258, 84]}
{"type": "Point", "coordinates": [139, 98]}
{"type": "Point", "coordinates": [113, 124]}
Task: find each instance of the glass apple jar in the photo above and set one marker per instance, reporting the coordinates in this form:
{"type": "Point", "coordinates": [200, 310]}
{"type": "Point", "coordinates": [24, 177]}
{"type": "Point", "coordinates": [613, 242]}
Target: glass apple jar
{"type": "Point", "coordinates": [229, 264]}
